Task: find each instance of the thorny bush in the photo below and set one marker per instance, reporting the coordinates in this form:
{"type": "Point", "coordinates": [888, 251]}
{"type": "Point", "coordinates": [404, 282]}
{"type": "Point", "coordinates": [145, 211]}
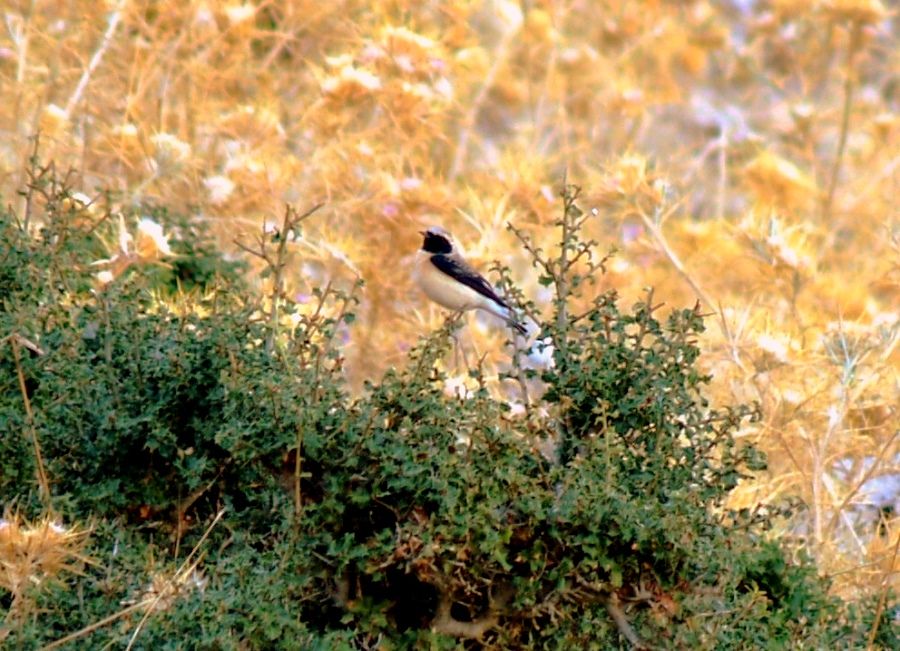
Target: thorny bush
{"type": "Point", "coordinates": [404, 517]}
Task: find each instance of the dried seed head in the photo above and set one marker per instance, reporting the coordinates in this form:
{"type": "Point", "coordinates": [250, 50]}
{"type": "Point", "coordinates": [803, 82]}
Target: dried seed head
{"type": "Point", "coordinates": [33, 553]}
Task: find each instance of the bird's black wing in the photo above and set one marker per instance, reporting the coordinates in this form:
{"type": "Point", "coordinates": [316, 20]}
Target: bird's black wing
{"type": "Point", "coordinates": [462, 273]}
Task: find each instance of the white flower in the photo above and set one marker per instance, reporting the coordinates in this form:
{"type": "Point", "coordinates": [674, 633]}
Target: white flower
{"type": "Point", "coordinates": [405, 63]}
{"type": "Point", "coordinates": [418, 90]}
{"type": "Point", "coordinates": [516, 408]}
{"type": "Point", "coordinates": [219, 187]}
{"type": "Point", "coordinates": [351, 79]}
{"type": "Point", "coordinates": [204, 16]}
{"type": "Point", "coordinates": [777, 347]}
{"type": "Point", "coordinates": [410, 183]}
{"type": "Point", "coordinates": [456, 387]}
{"type": "Point", "coordinates": [151, 242]}
{"type": "Point", "coordinates": [239, 13]}
{"type": "Point", "coordinates": [444, 88]}
{"type": "Point", "coordinates": [82, 198]}
{"type": "Point", "coordinates": [241, 162]}
{"type": "Point", "coordinates": [620, 265]}
{"type": "Point", "coordinates": [884, 319]}
{"type": "Point", "coordinates": [510, 14]}
{"type": "Point", "coordinates": [54, 120]}
{"type": "Point", "coordinates": [401, 36]}
{"type": "Point", "coordinates": [542, 354]}
{"type": "Point", "coordinates": [56, 113]}
{"type": "Point", "coordinates": [125, 130]}
{"type": "Point", "coordinates": [104, 277]}
{"type": "Point", "coordinates": [339, 61]}
{"type": "Point", "coordinates": [125, 238]}
{"type": "Point", "coordinates": [170, 151]}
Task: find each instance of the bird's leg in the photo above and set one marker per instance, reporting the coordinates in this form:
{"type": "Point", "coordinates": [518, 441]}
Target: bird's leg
{"type": "Point", "coordinates": [474, 350]}
{"type": "Point", "coordinates": [458, 347]}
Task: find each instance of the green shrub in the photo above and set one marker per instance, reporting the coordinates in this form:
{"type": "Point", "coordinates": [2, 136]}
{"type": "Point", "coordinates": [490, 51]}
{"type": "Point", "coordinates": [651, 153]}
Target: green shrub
{"type": "Point", "coordinates": [409, 518]}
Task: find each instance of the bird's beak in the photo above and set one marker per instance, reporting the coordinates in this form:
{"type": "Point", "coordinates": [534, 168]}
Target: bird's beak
{"type": "Point", "coordinates": [423, 233]}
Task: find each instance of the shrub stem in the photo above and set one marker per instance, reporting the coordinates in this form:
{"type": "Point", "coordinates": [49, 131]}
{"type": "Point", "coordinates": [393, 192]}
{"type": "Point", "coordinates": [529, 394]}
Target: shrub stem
{"type": "Point", "coordinates": [43, 483]}
{"type": "Point", "coordinates": [849, 85]}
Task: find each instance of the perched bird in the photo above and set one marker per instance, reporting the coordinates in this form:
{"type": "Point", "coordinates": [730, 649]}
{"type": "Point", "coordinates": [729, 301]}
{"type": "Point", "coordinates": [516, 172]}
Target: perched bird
{"type": "Point", "coordinates": [448, 280]}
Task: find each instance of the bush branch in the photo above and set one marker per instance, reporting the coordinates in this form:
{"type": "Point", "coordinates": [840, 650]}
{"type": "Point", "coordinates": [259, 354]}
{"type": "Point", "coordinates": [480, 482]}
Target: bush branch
{"type": "Point", "coordinates": [852, 48]}
{"type": "Point", "coordinates": [445, 623]}
{"type": "Point", "coordinates": [618, 615]}
{"type": "Point", "coordinates": [43, 483]}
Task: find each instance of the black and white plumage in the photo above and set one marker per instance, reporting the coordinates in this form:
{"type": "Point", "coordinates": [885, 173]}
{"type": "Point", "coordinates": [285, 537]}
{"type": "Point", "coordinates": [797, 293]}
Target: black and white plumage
{"type": "Point", "coordinates": [448, 280]}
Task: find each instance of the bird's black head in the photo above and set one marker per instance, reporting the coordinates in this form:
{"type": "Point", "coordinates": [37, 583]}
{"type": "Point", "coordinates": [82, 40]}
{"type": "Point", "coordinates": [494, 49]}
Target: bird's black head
{"type": "Point", "coordinates": [436, 241]}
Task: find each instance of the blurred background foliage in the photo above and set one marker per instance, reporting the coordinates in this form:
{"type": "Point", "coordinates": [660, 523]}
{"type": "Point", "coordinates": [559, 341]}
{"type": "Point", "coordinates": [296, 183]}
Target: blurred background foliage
{"type": "Point", "coordinates": [742, 153]}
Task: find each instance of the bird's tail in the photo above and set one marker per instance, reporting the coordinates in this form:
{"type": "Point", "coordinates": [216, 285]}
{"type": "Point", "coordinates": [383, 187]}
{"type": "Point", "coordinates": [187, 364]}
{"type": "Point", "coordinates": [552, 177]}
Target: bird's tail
{"type": "Point", "coordinates": [517, 325]}
{"type": "Point", "coordinates": [513, 321]}
{"type": "Point", "coordinates": [505, 312]}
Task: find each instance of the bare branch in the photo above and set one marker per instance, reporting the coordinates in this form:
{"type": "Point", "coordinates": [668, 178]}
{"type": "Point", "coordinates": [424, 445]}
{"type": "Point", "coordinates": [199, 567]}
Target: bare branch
{"type": "Point", "coordinates": [618, 615]}
{"type": "Point", "coordinates": [43, 482]}
{"type": "Point", "coordinates": [445, 623]}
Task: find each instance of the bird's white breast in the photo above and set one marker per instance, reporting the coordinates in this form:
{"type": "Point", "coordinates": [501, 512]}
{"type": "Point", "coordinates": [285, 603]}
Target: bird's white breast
{"type": "Point", "coordinates": [444, 290]}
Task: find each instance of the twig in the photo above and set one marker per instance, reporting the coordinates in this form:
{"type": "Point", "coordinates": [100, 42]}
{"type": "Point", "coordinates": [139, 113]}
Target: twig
{"type": "Point", "coordinates": [87, 630]}
{"type": "Point", "coordinates": [656, 232]}
{"type": "Point", "coordinates": [559, 270]}
{"type": "Point", "coordinates": [860, 566]}
{"type": "Point", "coordinates": [298, 476]}
{"type": "Point", "coordinates": [276, 265]}
{"type": "Point", "coordinates": [520, 377]}
{"type": "Point", "coordinates": [28, 195]}
{"type": "Point", "coordinates": [445, 623]}
{"type": "Point", "coordinates": [181, 571]}
{"type": "Point", "coordinates": [183, 505]}
{"type": "Point", "coordinates": [885, 583]}
{"type": "Point", "coordinates": [828, 483]}
{"type": "Point", "coordinates": [536, 253]}
{"type": "Point", "coordinates": [277, 269]}
{"type": "Point", "coordinates": [43, 483]}
{"type": "Point", "coordinates": [148, 603]}
{"type": "Point", "coordinates": [298, 459]}
{"type": "Point", "coordinates": [19, 35]}
{"type": "Point", "coordinates": [20, 38]}
{"type": "Point", "coordinates": [24, 341]}
{"type": "Point", "coordinates": [562, 276]}
{"type": "Point", "coordinates": [722, 185]}
{"type": "Point", "coordinates": [618, 616]}
{"type": "Point", "coordinates": [114, 20]}
{"type": "Point", "coordinates": [852, 48]}
{"type": "Point", "coordinates": [865, 478]}
{"type": "Point", "coordinates": [468, 121]}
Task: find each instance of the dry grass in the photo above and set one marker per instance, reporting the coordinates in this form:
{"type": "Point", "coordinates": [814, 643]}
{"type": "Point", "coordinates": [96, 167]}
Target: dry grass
{"type": "Point", "coordinates": [743, 154]}
{"type": "Point", "coordinates": [32, 554]}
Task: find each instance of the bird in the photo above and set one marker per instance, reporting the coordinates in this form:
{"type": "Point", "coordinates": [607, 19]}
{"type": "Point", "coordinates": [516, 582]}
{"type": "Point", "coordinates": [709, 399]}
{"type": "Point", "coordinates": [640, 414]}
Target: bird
{"type": "Point", "coordinates": [448, 280]}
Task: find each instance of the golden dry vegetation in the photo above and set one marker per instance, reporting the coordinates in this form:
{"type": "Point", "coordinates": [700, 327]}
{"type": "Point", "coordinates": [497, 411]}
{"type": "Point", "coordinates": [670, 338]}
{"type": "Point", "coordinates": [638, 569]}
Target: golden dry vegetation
{"type": "Point", "coordinates": [741, 154]}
